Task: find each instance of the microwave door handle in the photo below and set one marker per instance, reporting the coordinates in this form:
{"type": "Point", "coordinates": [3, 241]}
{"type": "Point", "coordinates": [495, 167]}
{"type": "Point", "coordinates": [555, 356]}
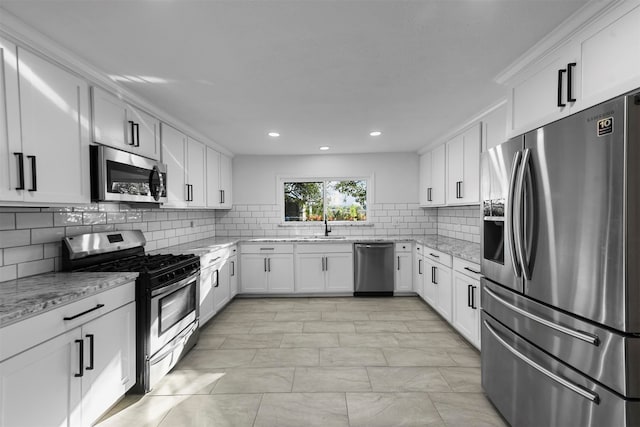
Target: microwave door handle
{"type": "Point", "coordinates": [519, 225]}
{"type": "Point", "coordinates": [511, 208]}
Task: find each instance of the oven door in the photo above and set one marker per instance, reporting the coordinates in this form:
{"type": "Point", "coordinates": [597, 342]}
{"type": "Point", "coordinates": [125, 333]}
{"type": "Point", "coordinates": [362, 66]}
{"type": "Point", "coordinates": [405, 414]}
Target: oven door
{"type": "Point", "coordinates": [120, 176]}
{"type": "Point", "coordinates": [173, 309]}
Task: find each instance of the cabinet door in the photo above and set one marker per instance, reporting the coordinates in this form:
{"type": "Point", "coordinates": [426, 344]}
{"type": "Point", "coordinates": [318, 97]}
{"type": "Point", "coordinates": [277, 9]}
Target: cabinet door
{"type": "Point", "coordinates": [418, 274]}
{"type": "Point", "coordinates": [494, 128]}
{"type": "Point", "coordinates": [470, 188]}
{"type": "Point", "coordinates": [145, 133]}
{"type": "Point", "coordinates": [610, 60]}
{"type": "Point", "coordinates": [226, 176]}
{"type": "Point", "coordinates": [455, 168]}
{"type": "Point", "coordinates": [535, 97]}
{"type": "Point", "coordinates": [310, 275]}
{"type": "Point", "coordinates": [214, 194]}
{"type": "Point", "coordinates": [425, 179]}
{"type": "Point", "coordinates": [10, 138]}
{"type": "Point", "coordinates": [444, 291]}
{"type": "Point", "coordinates": [38, 386]}
{"type": "Point", "coordinates": [280, 273]}
{"type": "Point", "coordinates": [221, 291]}
{"type": "Point", "coordinates": [438, 175]}
{"type": "Point", "coordinates": [110, 345]}
{"type": "Point", "coordinates": [109, 115]}
{"type": "Point", "coordinates": [207, 309]}
{"type": "Point", "coordinates": [339, 272]}
{"type": "Point", "coordinates": [404, 272]}
{"type": "Point", "coordinates": [466, 318]}
{"type": "Point", "coordinates": [430, 280]}
{"type": "Point", "coordinates": [233, 276]}
{"type": "Point", "coordinates": [196, 158]}
{"type": "Point", "coordinates": [54, 107]}
{"type": "Point", "coordinates": [253, 272]}
{"type": "Point", "coordinates": [173, 155]}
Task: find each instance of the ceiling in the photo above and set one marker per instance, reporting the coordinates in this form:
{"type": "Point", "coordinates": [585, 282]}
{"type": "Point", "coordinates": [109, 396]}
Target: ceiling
{"type": "Point", "coordinates": [319, 72]}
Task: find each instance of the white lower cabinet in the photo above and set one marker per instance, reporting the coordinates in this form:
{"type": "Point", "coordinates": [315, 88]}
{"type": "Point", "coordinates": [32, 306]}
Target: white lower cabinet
{"type": "Point", "coordinates": [218, 281]}
{"type": "Point", "coordinates": [222, 288]}
{"type": "Point", "coordinates": [267, 268]}
{"type": "Point", "coordinates": [418, 271]}
{"type": "Point", "coordinates": [324, 267]}
{"type": "Point", "coordinates": [73, 378]}
{"type": "Point", "coordinates": [437, 281]}
{"type": "Point", "coordinates": [233, 275]}
{"type": "Point", "coordinates": [404, 269]}
{"type": "Point", "coordinates": [466, 300]}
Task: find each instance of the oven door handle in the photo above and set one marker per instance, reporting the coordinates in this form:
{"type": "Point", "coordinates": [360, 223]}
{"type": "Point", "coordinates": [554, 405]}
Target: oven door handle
{"type": "Point", "coordinates": [175, 286]}
{"type": "Point", "coordinates": [178, 341]}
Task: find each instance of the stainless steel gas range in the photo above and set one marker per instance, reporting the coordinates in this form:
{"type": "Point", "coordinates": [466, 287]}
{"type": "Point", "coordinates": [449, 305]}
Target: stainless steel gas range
{"type": "Point", "coordinates": [167, 297]}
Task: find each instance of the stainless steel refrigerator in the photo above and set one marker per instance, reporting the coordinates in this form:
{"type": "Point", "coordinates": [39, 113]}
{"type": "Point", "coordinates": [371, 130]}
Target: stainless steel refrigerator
{"type": "Point", "coordinates": [561, 266]}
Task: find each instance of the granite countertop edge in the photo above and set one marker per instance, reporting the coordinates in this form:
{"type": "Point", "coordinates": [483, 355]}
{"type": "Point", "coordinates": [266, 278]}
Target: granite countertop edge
{"type": "Point", "coordinates": [23, 298]}
{"type": "Point", "coordinates": [469, 251]}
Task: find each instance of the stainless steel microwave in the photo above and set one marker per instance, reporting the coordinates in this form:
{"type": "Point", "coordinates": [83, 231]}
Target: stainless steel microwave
{"type": "Point", "coordinates": [118, 176]}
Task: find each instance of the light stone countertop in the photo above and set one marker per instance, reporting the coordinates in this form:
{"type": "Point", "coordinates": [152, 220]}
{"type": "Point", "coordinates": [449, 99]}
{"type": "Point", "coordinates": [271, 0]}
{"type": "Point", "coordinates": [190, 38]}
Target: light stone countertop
{"type": "Point", "coordinates": [463, 249]}
{"type": "Point", "coordinates": [30, 296]}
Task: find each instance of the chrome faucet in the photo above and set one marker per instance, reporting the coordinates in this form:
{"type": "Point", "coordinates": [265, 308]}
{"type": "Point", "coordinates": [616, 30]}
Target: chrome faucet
{"type": "Point", "coordinates": [327, 230]}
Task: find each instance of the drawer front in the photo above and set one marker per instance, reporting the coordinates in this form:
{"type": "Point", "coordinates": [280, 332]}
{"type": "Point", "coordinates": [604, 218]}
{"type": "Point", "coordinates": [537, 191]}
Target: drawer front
{"type": "Point", "coordinates": [267, 248]}
{"type": "Point", "coordinates": [403, 247]}
{"type": "Point", "coordinates": [437, 256]}
{"type": "Point", "coordinates": [212, 257]}
{"type": "Point", "coordinates": [324, 248]}
{"type": "Point", "coordinates": [22, 335]}
{"type": "Point", "coordinates": [419, 249]}
{"type": "Point", "coordinates": [467, 268]}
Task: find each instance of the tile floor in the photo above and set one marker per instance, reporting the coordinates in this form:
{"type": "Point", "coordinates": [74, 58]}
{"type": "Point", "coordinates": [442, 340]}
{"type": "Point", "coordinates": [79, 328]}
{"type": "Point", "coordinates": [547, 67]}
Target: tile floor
{"type": "Point", "coordinates": [319, 362]}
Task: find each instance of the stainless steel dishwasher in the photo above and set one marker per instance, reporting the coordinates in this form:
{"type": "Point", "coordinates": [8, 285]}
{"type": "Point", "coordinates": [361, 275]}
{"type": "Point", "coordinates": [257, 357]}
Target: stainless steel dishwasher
{"type": "Point", "coordinates": [374, 275]}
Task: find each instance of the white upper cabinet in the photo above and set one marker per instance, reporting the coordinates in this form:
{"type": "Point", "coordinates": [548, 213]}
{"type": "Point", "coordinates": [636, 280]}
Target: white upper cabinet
{"type": "Point", "coordinates": [432, 177]}
{"type": "Point", "coordinates": [494, 127]}
{"type": "Point", "coordinates": [218, 180]}
{"type": "Point", "coordinates": [185, 159]}
{"type": "Point", "coordinates": [598, 61]}
{"type": "Point", "coordinates": [463, 168]}
{"type": "Point", "coordinates": [45, 118]}
{"type": "Point", "coordinates": [122, 126]}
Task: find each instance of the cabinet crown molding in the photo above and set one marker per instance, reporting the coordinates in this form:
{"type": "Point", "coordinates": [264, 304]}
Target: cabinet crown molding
{"type": "Point", "coordinates": [561, 35]}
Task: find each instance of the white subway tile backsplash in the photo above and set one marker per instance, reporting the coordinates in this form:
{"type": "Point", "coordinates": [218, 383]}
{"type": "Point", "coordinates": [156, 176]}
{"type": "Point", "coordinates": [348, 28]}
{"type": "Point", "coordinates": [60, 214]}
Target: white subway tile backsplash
{"type": "Point", "coordinates": [34, 220]}
{"type": "Point", "coordinates": [7, 221]}
{"type": "Point", "coordinates": [11, 238]}
{"type": "Point", "coordinates": [46, 235]}
{"type": "Point", "coordinates": [23, 254]}
{"type": "Point", "coordinates": [36, 267]}
{"type": "Point", "coordinates": [9, 272]}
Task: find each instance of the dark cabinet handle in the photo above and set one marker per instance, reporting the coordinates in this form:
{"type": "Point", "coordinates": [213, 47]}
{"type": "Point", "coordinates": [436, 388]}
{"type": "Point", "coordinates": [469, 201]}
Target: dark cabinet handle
{"type": "Point", "coordinates": [269, 264]}
{"type": "Point", "coordinates": [137, 142]}
{"type": "Point", "coordinates": [471, 270]}
{"type": "Point", "coordinates": [434, 279]}
{"type": "Point", "coordinates": [469, 295]}
{"type": "Point", "coordinates": [34, 184]}
{"type": "Point", "coordinates": [570, 68]}
{"type": "Point", "coordinates": [233, 268]}
{"type": "Point", "coordinates": [398, 263]}
{"type": "Point", "coordinates": [90, 367]}
{"type": "Point", "coordinates": [473, 297]}
{"type": "Point", "coordinates": [80, 358]}
{"type": "Point", "coordinates": [560, 76]}
{"type": "Point", "coordinates": [429, 195]}
{"type": "Point", "coordinates": [221, 196]}
{"type": "Point", "coordinates": [97, 307]}
{"type": "Point", "coordinates": [20, 158]}
{"type": "Point", "coordinates": [265, 265]}
{"type": "Point", "coordinates": [419, 266]}
{"type": "Point", "coordinates": [132, 131]}
{"type": "Point", "coordinates": [217, 279]}
{"type": "Point", "coordinates": [458, 189]}
{"type": "Point", "coordinates": [434, 255]}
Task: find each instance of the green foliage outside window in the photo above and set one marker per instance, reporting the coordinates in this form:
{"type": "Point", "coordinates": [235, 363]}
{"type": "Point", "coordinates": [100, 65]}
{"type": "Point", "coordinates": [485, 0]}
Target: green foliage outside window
{"type": "Point", "coordinates": [335, 200]}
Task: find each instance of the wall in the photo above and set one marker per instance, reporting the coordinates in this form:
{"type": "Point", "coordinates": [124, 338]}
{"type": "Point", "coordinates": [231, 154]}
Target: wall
{"type": "Point", "coordinates": [30, 238]}
{"type": "Point", "coordinates": [460, 222]}
{"type": "Point", "coordinates": [393, 208]}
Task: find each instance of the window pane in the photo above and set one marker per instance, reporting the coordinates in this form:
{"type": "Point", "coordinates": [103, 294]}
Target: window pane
{"type": "Point", "coordinates": [346, 200]}
{"type": "Point", "coordinates": [303, 201]}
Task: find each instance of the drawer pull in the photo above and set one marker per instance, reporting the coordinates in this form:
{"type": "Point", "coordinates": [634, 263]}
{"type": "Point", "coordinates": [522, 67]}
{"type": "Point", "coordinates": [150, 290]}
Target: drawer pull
{"type": "Point", "coordinates": [97, 307]}
{"type": "Point", "coordinates": [471, 270]}
{"type": "Point", "coordinates": [434, 255]}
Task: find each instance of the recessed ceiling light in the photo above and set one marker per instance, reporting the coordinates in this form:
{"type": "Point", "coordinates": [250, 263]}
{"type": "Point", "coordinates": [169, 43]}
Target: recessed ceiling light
{"type": "Point", "coordinates": [375, 133]}
{"type": "Point", "coordinates": [324, 148]}
{"type": "Point", "coordinates": [273, 134]}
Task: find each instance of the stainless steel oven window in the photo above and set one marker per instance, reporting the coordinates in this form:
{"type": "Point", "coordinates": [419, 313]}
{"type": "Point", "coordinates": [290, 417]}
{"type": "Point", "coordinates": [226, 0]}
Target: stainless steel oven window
{"type": "Point", "coordinates": [175, 307]}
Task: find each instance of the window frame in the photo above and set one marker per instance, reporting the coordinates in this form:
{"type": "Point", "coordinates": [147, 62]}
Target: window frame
{"type": "Point", "coordinates": [324, 179]}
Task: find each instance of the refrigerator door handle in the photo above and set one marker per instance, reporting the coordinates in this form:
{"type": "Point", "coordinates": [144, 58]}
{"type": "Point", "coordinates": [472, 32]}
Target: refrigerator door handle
{"type": "Point", "coordinates": [591, 339]}
{"type": "Point", "coordinates": [510, 213]}
{"type": "Point", "coordinates": [517, 217]}
{"type": "Point", "coordinates": [587, 394]}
